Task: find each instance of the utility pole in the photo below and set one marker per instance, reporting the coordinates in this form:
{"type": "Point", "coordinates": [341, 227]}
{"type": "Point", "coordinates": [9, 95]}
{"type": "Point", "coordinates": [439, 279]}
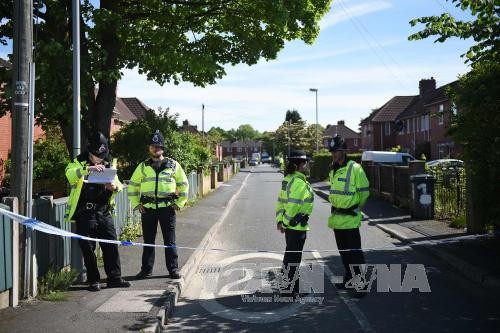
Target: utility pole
{"type": "Point", "coordinates": [203, 120]}
{"type": "Point", "coordinates": [76, 77]}
{"type": "Point", "coordinates": [315, 90]}
{"type": "Point", "coordinates": [22, 54]}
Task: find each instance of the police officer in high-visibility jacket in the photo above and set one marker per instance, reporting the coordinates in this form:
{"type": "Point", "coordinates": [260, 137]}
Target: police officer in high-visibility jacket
{"type": "Point", "coordinates": [157, 189]}
{"type": "Point", "coordinates": [90, 205]}
{"type": "Point", "coordinates": [295, 205]}
{"type": "Point", "coordinates": [349, 191]}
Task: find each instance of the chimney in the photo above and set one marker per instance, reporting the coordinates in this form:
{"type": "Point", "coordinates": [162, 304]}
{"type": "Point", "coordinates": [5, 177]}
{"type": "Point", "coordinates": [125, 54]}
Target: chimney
{"type": "Point", "coordinates": [341, 122]}
{"type": "Point", "coordinates": [185, 123]}
{"type": "Point", "coordinates": [426, 87]}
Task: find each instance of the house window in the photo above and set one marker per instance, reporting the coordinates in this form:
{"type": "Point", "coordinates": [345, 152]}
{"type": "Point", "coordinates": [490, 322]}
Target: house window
{"type": "Point", "coordinates": [387, 128]}
{"type": "Point", "coordinates": [424, 123]}
{"type": "Point", "coordinates": [355, 142]}
{"type": "Point", "coordinates": [407, 126]}
{"type": "Point", "coordinates": [454, 109]}
{"type": "Point", "coordinates": [239, 150]}
{"type": "Point", "coordinates": [441, 114]}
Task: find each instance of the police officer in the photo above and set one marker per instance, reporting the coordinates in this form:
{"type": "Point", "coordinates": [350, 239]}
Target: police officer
{"type": "Point", "coordinates": [158, 188]}
{"type": "Point", "coordinates": [90, 206]}
{"type": "Point", "coordinates": [349, 191]}
{"type": "Point", "coordinates": [295, 204]}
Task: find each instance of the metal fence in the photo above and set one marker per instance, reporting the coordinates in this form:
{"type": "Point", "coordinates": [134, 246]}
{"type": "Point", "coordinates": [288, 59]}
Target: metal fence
{"type": "Point", "coordinates": [193, 185]}
{"type": "Point", "coordinates": [5, 251]}
{"type": "Point", "coordinates": [450, 192]}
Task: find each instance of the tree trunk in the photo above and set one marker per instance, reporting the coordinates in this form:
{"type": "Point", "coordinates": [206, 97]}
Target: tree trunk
{"type": "Point", "coordinates": [475, 210]}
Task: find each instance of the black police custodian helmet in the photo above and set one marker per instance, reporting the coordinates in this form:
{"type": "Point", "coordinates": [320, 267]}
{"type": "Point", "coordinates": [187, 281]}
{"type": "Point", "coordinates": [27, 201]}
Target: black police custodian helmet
{"type": "Point", "coordinates": [337, 143]}
{"type": "Point", "coordinates": [298, 156]}
{"type": "Point", "coordinates": [98, 145]}
{"type": "Point", "coordinates": [157, 139]}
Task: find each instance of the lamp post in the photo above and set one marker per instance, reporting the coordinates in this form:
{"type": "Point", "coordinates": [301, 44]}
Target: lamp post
{"type": "Point", "coordinates": [289, 123]}
{"type": "Point", "coordinates": [315, 90]}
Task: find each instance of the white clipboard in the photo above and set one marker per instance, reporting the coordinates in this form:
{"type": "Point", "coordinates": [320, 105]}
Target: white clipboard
{"type": "Point", "coordinates": [104, 177]}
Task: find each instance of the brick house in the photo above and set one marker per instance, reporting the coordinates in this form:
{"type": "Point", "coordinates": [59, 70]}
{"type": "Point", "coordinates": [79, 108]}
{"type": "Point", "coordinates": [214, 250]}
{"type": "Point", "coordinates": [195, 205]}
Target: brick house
{"type": "Point", "coordinates": [352, 138]}
{"type": "Point", "coordinates": [241, 149]}
{"type": "Point", "coordinates": [418, 124]}
{"type": "Point", "coordinates": [123, 114]}
{"type": "Point", "coordinates": [187, 127]}
{"type": "Point", "coordinates": [382, 124]}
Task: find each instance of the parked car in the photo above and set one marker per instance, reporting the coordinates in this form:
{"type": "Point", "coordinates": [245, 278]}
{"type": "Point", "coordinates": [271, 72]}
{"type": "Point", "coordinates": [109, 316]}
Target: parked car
{"type": "Point", "coordinates": [446, 163]}
{"type": "Point", "coordinates": [256, 156]}
{"type": "Point", "coordinates": [387, 157]}
{"type": "Point", "coordinates": [266, 158]}
{"type": "Point", "coordinates": [253, 162]}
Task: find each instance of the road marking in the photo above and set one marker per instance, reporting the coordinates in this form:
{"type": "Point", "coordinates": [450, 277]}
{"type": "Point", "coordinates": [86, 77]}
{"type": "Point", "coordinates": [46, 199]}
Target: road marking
{"type": "Point", "coordinates": [351, 305]}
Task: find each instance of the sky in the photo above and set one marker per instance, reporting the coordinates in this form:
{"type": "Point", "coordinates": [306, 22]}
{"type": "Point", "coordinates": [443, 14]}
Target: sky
{"type": "Point", "coordinates": [361, 59]}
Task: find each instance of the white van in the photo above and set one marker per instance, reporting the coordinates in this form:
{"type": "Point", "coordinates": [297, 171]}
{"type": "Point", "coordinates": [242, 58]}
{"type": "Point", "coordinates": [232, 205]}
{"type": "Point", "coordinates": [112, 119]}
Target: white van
{"type": "Point", "coordinates": [387, 157]}
{"type": "Point", "coordinates": [256, 156]}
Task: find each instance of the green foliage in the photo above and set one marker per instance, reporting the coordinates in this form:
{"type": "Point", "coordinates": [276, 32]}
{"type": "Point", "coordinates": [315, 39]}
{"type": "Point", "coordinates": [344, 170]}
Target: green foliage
{"type": "Point", "coordinates": [321, 166]}
{"type": "Point", "coordinates": [6, 168]}
{"type": "Point", "coordinates": [129, 145]}
{"type": "Point", "coordinates": [323, 163]}
{"type": "Point", "coordinates": [168, 41]}
{"type": "Point", "coordinates": [449, 192]}
{"type": "Point", "coordinates": [483, 29]}
{"type": "Point", "coordinates": [50, 157]}
{"type": "Point", "coordinates": [293, 116]}
{"type": "Point", "coordinates": [459, 222]}
{"type": "Point", "coordinates": [131, 231]}
{"type": "Point", "coordinates": [476, 127]}
{"type": "Point", "coordinates": [246, 132]}
{"type": "Point", "coordinates": [52, 286]}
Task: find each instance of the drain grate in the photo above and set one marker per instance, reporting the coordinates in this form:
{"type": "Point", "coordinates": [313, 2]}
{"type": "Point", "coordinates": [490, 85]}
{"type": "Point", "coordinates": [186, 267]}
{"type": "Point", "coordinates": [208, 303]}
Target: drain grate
{"type": "Point", "coordinates": [209, 269]}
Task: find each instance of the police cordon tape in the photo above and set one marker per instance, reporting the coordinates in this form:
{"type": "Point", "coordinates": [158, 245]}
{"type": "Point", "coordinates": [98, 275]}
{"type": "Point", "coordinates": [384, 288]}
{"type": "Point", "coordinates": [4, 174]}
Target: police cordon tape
{"type": "Point", "coordinates": [51, 230]}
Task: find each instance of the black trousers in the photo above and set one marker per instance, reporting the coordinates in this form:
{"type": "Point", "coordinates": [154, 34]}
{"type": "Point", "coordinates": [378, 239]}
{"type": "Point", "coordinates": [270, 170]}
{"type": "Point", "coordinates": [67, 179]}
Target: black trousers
{"type": "Point", "coordinates": [291, 261]}
{"type": "Point", "coordinates": [166, 217]}
{"type": "Point", "coordinates": [98, 224]}
{"type": "Point", "coordinates": [349, 239]}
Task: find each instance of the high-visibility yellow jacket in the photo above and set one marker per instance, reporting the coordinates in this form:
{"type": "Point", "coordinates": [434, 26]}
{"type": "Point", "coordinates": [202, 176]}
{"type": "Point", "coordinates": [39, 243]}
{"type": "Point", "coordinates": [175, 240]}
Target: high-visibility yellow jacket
{"type": "Point", "coordinates": [282, 164]}
{"type": "Point", "coordinates": [349, 187]}
{"type": "Point", "coordinates": [75, 173]}
{"type": "Point", "coordinates": [146, 182]}
{"type": "Point", "coordinates": [296, 197]}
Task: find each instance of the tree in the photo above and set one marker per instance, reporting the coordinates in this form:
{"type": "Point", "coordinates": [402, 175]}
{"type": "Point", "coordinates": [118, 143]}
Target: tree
{"type": "Point", "coordinates": [483, 29]}
{"type": "Point", "coordinates": [476, 124]}
{"type": "Point", "coordinates": [295, 134]}
{"type": "Point", "coordinates": [246, 132]}
{"type": "Point", "coordinates": [293, 116]}
{"type": "Point", "coordinates": [167, 40]}
{"type": "Point", "coordinates": [129, 145]}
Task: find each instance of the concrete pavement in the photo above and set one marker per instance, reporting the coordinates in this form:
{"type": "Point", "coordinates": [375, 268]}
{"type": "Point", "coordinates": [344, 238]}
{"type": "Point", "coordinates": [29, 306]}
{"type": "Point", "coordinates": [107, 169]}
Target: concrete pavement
{"type": "Point", "coordinates": [235, 290]}
{"type": "Point", "coordinates": [135, 309]}
{"type": "Point", "coordinates": [466, 257]}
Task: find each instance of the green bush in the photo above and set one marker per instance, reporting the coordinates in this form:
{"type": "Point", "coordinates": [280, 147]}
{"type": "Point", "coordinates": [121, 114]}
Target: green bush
{"type": "Point", "coordinates": [323, 161]}
{"type": "Point", "coordinates": [53, 285]}
{"type": "Point", "coordinates": [50, 157]}
{"type": "Point", "coordinates": [321, 166]}
{"type": "Point", "coordinates": [129, 145]}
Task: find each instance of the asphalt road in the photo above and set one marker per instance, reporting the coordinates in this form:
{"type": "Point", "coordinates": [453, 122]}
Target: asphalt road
{"type": "Point", "coordinates": [236, 290]}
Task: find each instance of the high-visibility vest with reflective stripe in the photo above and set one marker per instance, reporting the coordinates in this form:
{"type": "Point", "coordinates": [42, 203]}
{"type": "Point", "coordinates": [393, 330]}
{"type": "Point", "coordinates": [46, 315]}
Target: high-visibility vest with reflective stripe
{"type": "Point", "coordinates": [146, 182]}
{"type": "Point", "coordinates": [296, 197]}
{"type": "Point", "coordinates": [348, 187]}
{"type": "Point", "coordinates": [75, 173]}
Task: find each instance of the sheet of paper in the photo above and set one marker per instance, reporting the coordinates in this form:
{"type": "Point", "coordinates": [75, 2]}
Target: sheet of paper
{"type": "Point", "coordinates": [104, 177]}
